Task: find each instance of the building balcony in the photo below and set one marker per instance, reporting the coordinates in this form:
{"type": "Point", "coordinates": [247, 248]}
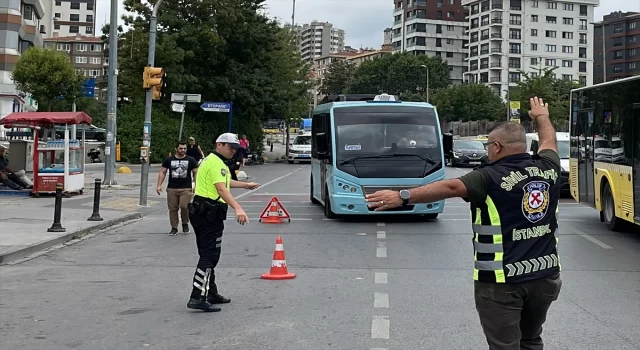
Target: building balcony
{"type": "Point", "coordinates": [497, 7]}
{"type": "Point", "coordinates": [496, 21]}
{"type": "Point", "coordinates": [515, 22]}
{"type": "Point", "coordinates": [484, 66]}
{"type": "Point", "coordinates": [484, 37]}
{"type": "Point", "coordinates": [496, 50]}
{"type": "Point", "coordinates": [516, 51]}
{"type": "Point", "coordinates": [582, 41]}
{"type": "Point", "coordinates": [496, 65]}
{"type": "Point", "coordinates": [515, 8]}
{"type": "Point", "coordinates": [495, 80]}
{"type": "Point", "coordinates": [515, 36]}
{"type": "Point", "coordinates": [496, 35]}
{"type": "Point", "coordinates": [484, 52]}
{"type": "Point", "coordinates": [582, 27]}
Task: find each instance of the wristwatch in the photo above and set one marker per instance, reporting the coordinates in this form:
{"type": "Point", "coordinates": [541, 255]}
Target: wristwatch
{"type": "Point", "coordinates": [405, 196]}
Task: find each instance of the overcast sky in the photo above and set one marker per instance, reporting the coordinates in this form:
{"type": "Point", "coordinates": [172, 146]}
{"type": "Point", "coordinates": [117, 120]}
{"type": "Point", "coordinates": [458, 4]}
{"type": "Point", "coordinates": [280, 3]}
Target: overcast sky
{"type": "Point", "coordinates": [362, 20]}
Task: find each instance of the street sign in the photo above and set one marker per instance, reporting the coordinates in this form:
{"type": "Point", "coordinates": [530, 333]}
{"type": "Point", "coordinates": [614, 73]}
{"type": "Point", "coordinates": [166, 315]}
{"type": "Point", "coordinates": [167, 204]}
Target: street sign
{"type": "Point", "coordinates": [177, 107]}
{"type": "Point", "coordinates": [189, 98]}
{"type": "Point", "coordinates": [216, 107]}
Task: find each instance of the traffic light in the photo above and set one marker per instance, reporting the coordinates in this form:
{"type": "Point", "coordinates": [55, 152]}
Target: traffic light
{"type": "Point", "coordinates": [152, 76]}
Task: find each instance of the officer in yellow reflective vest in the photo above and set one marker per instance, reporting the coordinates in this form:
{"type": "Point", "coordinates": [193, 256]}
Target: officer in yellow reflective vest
{"type": "Point", "coordinates": [207, 213]}
{"type": "Point", "coordinates": [514, 205]}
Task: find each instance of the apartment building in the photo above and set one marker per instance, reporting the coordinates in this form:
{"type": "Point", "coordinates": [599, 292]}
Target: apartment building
{"type": "Point", "coordinates": [319, 38]}
{"type": "Point", "coordinates": [434, 28]}
{"type": "Point", "coordinates": [20, 29]}
{"type": "Point", "coordinates": [87, 56]}
{"type": "Point", "coordinates": [616, 51]}
{"type": "Point", "coordinates": [65, 18]}
{"type": "Point", "coordinates": [510, 36]}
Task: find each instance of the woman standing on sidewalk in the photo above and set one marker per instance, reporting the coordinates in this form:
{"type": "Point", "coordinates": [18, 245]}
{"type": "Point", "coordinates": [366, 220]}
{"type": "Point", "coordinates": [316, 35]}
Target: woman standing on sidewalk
{"type": "Point", "coordinates": [244, 148]}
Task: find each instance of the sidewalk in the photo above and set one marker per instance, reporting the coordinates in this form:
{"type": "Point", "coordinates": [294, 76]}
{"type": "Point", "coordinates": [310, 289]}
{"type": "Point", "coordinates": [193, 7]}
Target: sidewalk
{"type": "Point", "coordinates": [277, 154]}
{"type": "Point", "coordinates": [24, 221]}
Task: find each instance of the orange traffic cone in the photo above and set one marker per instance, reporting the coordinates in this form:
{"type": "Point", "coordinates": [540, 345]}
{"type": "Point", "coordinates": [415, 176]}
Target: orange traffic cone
{"type": "Point", "coordinates": [273, 216]}
{"type": "Point", "coordinates": [279, 269]}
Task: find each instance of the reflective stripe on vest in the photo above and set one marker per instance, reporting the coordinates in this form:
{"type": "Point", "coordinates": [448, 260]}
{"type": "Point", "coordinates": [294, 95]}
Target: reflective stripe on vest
{"type": "Point", "coordinates": [492, 229]}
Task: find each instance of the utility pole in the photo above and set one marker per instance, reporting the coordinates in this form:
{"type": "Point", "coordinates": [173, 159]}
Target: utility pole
{"type": "Point", "coordinates": [112, 99]}
{"type": "Point", "coordinates": [295, 32]}
{"type": "Point", "coordinates": [146, 142]}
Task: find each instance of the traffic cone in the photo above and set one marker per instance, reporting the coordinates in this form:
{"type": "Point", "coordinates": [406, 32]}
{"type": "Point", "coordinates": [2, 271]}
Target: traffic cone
{"type": "Point", "coordinates": [279, 269]}
{"type": "Point", "coordinates": [273, 216]}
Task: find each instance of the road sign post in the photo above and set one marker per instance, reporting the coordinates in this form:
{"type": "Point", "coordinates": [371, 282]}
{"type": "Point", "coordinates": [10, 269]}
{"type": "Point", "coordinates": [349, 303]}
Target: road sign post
{"type": "Point", "coordinates": [184, 98]}
{"type": "Point", "coordinates": [225, 107]}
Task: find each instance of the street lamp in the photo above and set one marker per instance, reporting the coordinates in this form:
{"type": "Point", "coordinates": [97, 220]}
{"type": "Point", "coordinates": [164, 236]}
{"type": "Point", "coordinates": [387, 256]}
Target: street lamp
{"type": "Point", "coordinates": [427, 68]}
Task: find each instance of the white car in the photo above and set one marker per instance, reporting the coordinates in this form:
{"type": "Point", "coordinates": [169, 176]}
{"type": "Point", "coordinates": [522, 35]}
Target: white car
{"type": "Point", "coordinates": [300, 148]}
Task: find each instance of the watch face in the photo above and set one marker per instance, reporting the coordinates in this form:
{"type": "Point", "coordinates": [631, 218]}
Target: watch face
{"type": "Point", "coordinates": [404, 194]}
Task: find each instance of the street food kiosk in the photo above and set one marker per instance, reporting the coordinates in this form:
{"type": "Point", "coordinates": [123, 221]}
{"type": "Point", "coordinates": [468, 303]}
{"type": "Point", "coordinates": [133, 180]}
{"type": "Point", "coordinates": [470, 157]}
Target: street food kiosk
{"type": "Point", "coordinates": [54, 161]}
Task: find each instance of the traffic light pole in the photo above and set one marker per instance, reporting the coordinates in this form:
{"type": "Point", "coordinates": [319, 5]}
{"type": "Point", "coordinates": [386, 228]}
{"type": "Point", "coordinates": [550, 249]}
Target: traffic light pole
{"type": "Point", "coordinates": [146, 141]}
{"type": "Point", "coordinates": [112, 99]}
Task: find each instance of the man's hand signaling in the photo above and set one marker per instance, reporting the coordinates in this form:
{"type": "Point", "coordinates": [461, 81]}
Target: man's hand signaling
{"type": "Point", "coordinates": [538, 108]}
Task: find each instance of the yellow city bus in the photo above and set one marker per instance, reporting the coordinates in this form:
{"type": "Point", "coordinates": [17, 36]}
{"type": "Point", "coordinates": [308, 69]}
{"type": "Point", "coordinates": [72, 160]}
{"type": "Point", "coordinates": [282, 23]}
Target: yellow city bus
{"type": "Point", "coordinates": [605, 150]}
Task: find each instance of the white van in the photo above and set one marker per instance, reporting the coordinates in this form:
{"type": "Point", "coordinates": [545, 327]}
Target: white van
{"type": "Point", "coordinates": [563, 151]}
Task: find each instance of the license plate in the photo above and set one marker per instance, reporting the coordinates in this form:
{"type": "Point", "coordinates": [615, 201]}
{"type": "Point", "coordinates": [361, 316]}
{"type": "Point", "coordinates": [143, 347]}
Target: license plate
{"type": "Point", "coordinates": [303, 156]}
{"type": "Point", "coordinates": [474, 163]}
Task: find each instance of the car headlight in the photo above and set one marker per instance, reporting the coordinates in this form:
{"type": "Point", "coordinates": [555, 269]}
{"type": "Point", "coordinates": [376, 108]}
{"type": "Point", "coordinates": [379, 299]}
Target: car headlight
{"type": "Point", "coordinates": [347, 187]}
{"type": "Point", "coordinates": [457, 154]}
{"type": "Point", "coordinates": [293, 151]}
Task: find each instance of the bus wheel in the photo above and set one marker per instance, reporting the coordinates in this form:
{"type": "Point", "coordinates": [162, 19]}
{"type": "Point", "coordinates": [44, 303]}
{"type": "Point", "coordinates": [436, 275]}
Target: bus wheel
{"type": "Point", "coordinates": [327, 206]}
{"type": "Point", "coordinates": [313, 200]}
{"type": "Point", "coordinates": [609, 210]}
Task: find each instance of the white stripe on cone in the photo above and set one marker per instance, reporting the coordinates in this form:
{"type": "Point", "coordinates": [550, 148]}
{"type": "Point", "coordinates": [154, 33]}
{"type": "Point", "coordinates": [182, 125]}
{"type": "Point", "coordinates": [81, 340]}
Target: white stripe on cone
{"type": "Point", "coordinates": [279, 263]}
{"type": "Point", "coordinates": [279, 248]}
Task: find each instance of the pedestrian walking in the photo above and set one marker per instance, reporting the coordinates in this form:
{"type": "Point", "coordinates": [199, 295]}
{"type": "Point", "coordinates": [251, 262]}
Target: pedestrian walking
{"type": "Point", "coordinates": [244, 149]}
{"type": "Point", "coordinates": [208, 212]}
{"type": "Point", "coordinates": [182, 171]}
{"type": "Point", "coordinates": [514, 204]}
{"type": "Point", "coordinates": [194, 150]}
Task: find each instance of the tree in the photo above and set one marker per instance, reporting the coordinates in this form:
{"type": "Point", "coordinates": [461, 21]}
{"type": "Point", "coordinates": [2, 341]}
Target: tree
{"type": "Point", "coordinates": [400, 73]}
{"type": "Point", "coordinates": [543, 84]}
{"type": "Point", "coordinates": [225, 51]}
{"type": "Point", "coordinates": [339, 74]}
{"type": "Point", "coordinates": [468, 103]}
{"type": "Point", "coordinates": [46, 75]}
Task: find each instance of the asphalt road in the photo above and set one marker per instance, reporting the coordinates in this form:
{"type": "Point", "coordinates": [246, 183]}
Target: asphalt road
{"type": "Point", "coordinates": [365, 284]}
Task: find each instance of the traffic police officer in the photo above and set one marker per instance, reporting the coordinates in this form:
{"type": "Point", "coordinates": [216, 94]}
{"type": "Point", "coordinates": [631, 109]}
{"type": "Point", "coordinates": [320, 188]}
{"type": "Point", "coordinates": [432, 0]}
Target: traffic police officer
{"type": "Point", "coordinates": [207, 213]}
{"type": "Point", "coordinates": [514, 204]}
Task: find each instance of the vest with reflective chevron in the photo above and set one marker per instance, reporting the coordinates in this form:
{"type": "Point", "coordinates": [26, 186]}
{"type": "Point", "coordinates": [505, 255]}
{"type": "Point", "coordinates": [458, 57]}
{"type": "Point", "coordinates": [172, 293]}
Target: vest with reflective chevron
{"type": "Point", "coordinates": [515, 229]}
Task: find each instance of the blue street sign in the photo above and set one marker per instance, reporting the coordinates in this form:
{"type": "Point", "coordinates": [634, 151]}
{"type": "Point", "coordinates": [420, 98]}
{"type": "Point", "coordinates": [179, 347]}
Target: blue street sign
{"type": "Point", "coordinates": [88, 88]}
{"type": "Point", "coordinates": [226, 107]}
{"type": "Point", "coordinates": [216, 107]}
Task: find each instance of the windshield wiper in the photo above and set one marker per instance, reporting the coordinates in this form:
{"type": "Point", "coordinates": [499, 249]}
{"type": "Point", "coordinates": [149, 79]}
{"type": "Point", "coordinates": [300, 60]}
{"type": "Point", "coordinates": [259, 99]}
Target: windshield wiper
{"type": "Point", "coordinates": [393, 155]}
{"type": "Point", "coordinates": [351, 160]}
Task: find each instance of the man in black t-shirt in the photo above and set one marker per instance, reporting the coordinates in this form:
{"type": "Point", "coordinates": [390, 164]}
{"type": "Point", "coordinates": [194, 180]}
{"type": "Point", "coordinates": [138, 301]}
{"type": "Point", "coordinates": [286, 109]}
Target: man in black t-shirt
{"type": "Point", "coordinates": [180, 187]}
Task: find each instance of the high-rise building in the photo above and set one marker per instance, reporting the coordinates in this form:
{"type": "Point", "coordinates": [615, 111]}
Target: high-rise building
{"type": "Point", "coordinates": [65, 18]}
{"type": "Point", "coordinates": [21, 30]}
{"type": "Point", "coordinates": [387, 37]}
{"type": "Point", "coordinates": [318, 39]}
{"type": "Point", "coordinates": [434, 28]}
{"type": "Point", "coordinates": [510, 36]}
{"type": "Point", "coordinates": [616, 53]}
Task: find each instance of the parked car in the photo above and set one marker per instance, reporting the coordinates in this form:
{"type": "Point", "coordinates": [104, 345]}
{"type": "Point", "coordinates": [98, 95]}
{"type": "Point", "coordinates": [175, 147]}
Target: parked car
{"type": "Point", "coordinates": [468, 152]}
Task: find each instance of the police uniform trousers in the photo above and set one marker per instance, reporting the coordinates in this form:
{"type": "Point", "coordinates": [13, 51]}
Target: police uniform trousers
{"type": "Point", "coordinates": [208, 234]}
{"type": "Point", "coordinates": [512, 315]}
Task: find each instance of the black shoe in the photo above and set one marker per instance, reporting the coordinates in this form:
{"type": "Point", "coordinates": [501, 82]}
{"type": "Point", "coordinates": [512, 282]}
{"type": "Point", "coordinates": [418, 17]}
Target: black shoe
{"type": "Point", "coordinates": [173, 232]}
{"type": "Point", "coordinates": [218, 299]}
{"type": "Point", "coordinates": [185, 228]}
{"type": "Point", "coordinates": [198, 304]}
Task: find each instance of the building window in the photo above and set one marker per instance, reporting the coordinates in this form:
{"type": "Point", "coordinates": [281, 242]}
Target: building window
{"type": "Point", "coordinates": [632, 25]}
{"type": "Point", "coordinates": [88, 30]}
{"type": "Point", "coordinates": [449, 54]}
{"type": "Point", "coordinates": [631, 52]}
{"type": "Point", "coordinates": [582, 67]}
{"type": "Point", "coordinates": [534, 18]}
{"type": "Point", "coordinates": [567, 20]}
{"type": "Point", "coordinates": [56, 26]}
{"type": "Point", "coordinates": [549, 62]}
{"type": "Point", "coordinates": [534, 61]}
{"type": "Point", "coordinates": [632, 65]}
{"type": "Point", "coordinates": [27, 12]}
{"type": "Point", "coordinates": [89, 18]}
{"type": "Point", "coordinates": [74, 17]}
{"type": "Point", "coordinates": [583, 10]}
{"type": "Point", "coordinates": [450, 14]}
{"type": "Point", "coordinates": [96, 60]}
{"type": "Point", "coordinates": [75, 5]}
{"type": "Point", "coordinates": [534, 3]}
{"type": "Point", "coordinates": [438, 42]}
{"type": "Point", "coordinates": [534, 47]}
{"type": "Point", "coordinates": [449, 41]}
{"type": "Point", "coordinates": [567, 77]}
{"type": "Point", "coordinates": [58, 3]}
{"type": "Point", "coordinates": [551, 19]}
{"type": "Point", "coordinates": [90, 6]}
{"type": "Point", "coordinates": [567, 63]}
{"type": "Point", "coordinates": [534, 32]}
{"type": "Point", "coordinates": [567, 49]}
{"type": "Point", "coordinates": [81, 60]}
{"type": "Point", "coordinates": [552, 5]}
{"type": "Point", "coordinates": [450, 28]}
{"type": "Point", "coordinates": [550, 33]}
{"type": "Point", "coordinates": [567, 35]}
{"type": "Point", "coordinates": [568, 7]}
{"type": "Point", "coordinates": [550, 48]}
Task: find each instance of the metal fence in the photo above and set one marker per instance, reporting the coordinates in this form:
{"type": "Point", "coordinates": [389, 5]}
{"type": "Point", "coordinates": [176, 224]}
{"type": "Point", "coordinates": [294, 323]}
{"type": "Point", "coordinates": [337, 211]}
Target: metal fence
{"type": "Point", "coordinates": [483, 127]}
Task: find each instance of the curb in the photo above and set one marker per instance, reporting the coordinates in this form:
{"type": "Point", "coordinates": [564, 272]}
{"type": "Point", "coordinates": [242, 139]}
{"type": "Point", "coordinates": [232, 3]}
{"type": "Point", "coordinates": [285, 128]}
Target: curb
{"type": "Point", "coordinates": [21, 253]}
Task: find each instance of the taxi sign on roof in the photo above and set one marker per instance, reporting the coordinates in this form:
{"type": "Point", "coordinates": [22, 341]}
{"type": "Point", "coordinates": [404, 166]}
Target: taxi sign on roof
{"type": "Point", "coordinates": [384, 97]}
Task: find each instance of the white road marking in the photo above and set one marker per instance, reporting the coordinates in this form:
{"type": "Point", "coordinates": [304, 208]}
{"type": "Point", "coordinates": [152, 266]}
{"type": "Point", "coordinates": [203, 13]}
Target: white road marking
{"type": "Point", "coordinates": [381, 278]}
{"type": "Point", "coordinates": [591, 239]}
{"type": "Point", "coordinates": [380, 224]}
{"type": "Point", "coordinates": [378, 349]}
{"type": "Point", "coordinates": [381, 235]}
{"type": "Point", "coordinates": [381, 300]}
{"type": "Point", "coordinates": [263, 186]}
{"type": "Point", "coordinates": [381, 250]}
{"type": "Point", "coordinates": [380, 327]}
